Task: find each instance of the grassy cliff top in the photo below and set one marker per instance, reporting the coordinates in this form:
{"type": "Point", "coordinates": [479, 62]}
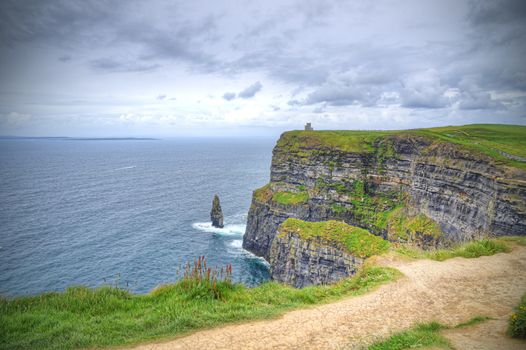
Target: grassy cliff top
{"type": "Point", "coordinates": [506, 143]}
{"type": "Point", "coordinates": [354, 240]}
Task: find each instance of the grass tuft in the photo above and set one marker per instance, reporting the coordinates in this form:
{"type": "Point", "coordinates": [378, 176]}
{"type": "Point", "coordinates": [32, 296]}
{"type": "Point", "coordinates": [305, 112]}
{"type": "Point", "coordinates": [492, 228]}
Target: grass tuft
{"type": "Point", "coordinates": [475, 320]}
{"type": "Point", "coordinates": [422, 335]}
{"type": "Point", "coordinates": [426, 334]}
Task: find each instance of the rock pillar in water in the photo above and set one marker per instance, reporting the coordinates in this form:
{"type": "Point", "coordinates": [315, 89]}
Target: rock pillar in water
{"type": "Point", "coordinates": [216, 214]}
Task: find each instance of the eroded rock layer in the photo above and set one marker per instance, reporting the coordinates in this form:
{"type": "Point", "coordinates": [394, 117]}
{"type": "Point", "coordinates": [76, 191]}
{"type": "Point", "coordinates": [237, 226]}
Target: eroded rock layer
{"type": "Point", "coordinates": [404, 186]}
{"type": "Point", "coordinates": [300, 263]}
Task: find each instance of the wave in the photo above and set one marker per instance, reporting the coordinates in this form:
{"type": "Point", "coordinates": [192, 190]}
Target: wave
{"type": "Point", "coordinates": [125, 167]}
{"type": "Point", "coordinates": [228, 230]}
{"type": "Point", "coordinates": [236, 243]}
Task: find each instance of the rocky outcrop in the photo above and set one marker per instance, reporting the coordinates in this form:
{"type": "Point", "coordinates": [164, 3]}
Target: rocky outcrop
{"type": "Point", "coordinates": [300, 263]}
{"type": "Point", "coordinates": [311, 253]}
{"type": "Point", "coordinates": [216, 215]}
{"type": "Point", "coordinates": [404, 186]}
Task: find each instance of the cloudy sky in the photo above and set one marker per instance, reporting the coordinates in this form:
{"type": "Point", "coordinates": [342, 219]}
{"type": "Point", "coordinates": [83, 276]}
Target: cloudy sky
{"type": "Point", "coordinates": [257, 68]}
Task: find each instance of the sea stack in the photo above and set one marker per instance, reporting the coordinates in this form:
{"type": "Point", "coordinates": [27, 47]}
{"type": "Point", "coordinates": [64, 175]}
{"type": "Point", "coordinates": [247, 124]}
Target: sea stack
{"type": "Point", "coordinates": [216, 214]}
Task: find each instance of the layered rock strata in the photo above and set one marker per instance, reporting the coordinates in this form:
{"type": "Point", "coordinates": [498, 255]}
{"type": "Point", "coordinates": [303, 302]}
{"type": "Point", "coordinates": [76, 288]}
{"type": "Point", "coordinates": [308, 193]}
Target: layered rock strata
{"type": "Point", "coordinates": [300, 263]}
{"type": "Point", "coordinates": [404, 186]}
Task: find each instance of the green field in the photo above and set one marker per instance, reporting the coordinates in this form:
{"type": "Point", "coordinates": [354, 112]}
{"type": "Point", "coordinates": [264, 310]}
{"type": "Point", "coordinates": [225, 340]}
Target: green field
{"type": "Point", "coordinates": [500, 142]}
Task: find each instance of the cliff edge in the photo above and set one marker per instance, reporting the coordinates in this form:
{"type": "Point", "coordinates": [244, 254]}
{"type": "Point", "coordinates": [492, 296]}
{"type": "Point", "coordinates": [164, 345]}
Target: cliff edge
{"type": "Point", "coordinates": [429, 187]}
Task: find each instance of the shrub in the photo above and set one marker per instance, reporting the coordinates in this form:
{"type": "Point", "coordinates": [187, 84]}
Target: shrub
{"type": "Point", "coordinates": [202, 282]}
{"type": "Point", "coordinates": [517, 324]}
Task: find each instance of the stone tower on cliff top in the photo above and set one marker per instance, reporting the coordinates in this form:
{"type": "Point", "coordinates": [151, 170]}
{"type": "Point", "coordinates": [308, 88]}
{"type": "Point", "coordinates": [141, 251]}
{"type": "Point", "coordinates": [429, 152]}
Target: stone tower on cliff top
{"type": "Point", "coordinates": [308, 127]}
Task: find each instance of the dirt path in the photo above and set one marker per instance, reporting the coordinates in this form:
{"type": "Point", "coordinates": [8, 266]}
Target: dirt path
{"type": "Point", "coordinates": [489, 335]}
{"type": "Point", "coordinates": [450, 292]}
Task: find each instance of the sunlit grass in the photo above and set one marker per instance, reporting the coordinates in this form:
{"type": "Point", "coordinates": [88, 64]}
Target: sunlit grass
{"type": "Point", "coordinates": [82, 317]}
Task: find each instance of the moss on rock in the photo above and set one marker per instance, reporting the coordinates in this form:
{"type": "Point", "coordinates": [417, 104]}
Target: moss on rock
{"type": "Point", "coordinates": [354, 240]}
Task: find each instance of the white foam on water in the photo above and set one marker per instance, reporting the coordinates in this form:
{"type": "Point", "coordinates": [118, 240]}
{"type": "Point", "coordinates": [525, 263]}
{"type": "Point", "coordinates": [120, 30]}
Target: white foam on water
{"type": "Point", "coordinates": [236, 243]}
{"type": "Point", "coordinates": [228, 230]}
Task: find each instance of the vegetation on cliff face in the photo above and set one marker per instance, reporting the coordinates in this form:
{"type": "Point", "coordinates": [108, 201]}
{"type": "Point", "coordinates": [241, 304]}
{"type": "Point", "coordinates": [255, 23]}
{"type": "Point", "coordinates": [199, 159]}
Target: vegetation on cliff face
{"type": "Point", "coordinates": [370, 210]}
{"type": "Point", "coordinates": [265, 194]}
{"type": "Point", "coordinates": [406, 228]}
{"type": "Point", "coordinates": [290, 198]}
{"type": "Point", "coordinates": [82, 317]}
{"type": "Point", "coordinates": [354, 240]}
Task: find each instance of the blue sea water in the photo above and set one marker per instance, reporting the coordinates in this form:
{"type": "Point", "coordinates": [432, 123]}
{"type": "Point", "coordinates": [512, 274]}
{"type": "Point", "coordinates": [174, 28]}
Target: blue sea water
{"type": "Point", "coordinates": [124, 212]}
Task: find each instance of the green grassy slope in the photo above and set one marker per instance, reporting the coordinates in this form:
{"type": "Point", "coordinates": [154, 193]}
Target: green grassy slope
{"type": "Point", "coordinates": [489, 139]}
{"type": "Point", "coordinates": [83, 318]}
{"type": "Point", "coordinates": [354, 240]}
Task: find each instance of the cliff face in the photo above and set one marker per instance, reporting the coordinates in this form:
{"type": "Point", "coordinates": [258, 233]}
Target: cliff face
{"type": "Point", "coordinates": [302, 263]}
{"type": "Point", "coordinates": [425, 187]}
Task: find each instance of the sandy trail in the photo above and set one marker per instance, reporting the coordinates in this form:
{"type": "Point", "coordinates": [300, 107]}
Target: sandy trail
{"type": "Point", "coordinates": [450, 292]}
{"type": "Point", "coordinates": [489, 335]}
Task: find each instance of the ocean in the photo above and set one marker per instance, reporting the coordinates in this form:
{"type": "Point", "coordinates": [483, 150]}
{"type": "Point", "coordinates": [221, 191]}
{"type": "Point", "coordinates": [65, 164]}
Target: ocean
{"type": "Point", "coordinates": [124, 212]}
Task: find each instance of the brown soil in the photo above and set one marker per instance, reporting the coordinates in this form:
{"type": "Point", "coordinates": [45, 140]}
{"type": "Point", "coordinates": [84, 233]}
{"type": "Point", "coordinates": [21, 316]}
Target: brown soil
{"type": "Point", "coordinates": [489, 335]}
{"type": "Point", "coordinates": [449, 292]}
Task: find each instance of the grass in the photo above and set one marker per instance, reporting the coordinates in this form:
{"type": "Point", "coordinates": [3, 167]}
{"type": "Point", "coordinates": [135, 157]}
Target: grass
{"type": "Point", "coordinates": [497, 141]}
{"type": "Point", "coordinates": [290, 198]}
{"type": "Point", "coordinates": [517, 323]}
{"type": "Point", "coordinates": [519, 240]}
{"type": "Point", "coordinates": [422, 335]}
{"type": "Point", "coordinates": [473, 249]}
{"type": "Point", "coordinates": [354, 240]}
{"type": "Point", "coordinates": [473, 321]}
{"type": "Point", "coordinates": [343, 140]}
{"type": "Point", "coordinates": [404, 227]}
{"type": "Point", "coordinates": [82, 317]}
{"type": "Point", "coordinates": [265, 194]}
{"type": "Point", "coordinates": [490, 139]}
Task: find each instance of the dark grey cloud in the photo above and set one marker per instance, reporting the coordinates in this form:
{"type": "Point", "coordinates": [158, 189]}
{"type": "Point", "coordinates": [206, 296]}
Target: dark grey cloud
{"type": "Point", "coordinates": [65, 58]}
{"type": "Point", "coordinates": [246, 93]}
{"type": "Point", "coordinates": [473, 100]}
{"type": "Point", "coordinates": [58, 22]}
{"type": "Point", "coordinates": [250, 91]}
{"type": "Point", "coordinates": [497, 12]}
{"type": "Point", "coordinates": [229, 96]}
{"type": "Point", "coordinates": [103, 24]}
{"type": "Point", "coordinates": [110, 65]}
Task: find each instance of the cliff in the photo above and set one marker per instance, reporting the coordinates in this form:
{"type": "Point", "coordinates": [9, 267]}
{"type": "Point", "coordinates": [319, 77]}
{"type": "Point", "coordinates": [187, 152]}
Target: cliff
{"type": "Point", "coordinates": [313, 253]}
{"type": "Point", "coordinates": [430, 187]}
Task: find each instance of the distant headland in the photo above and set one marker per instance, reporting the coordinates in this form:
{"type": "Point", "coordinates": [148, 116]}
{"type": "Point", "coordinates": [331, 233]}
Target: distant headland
{"type": "Point", "coordinates": [66, 138]}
